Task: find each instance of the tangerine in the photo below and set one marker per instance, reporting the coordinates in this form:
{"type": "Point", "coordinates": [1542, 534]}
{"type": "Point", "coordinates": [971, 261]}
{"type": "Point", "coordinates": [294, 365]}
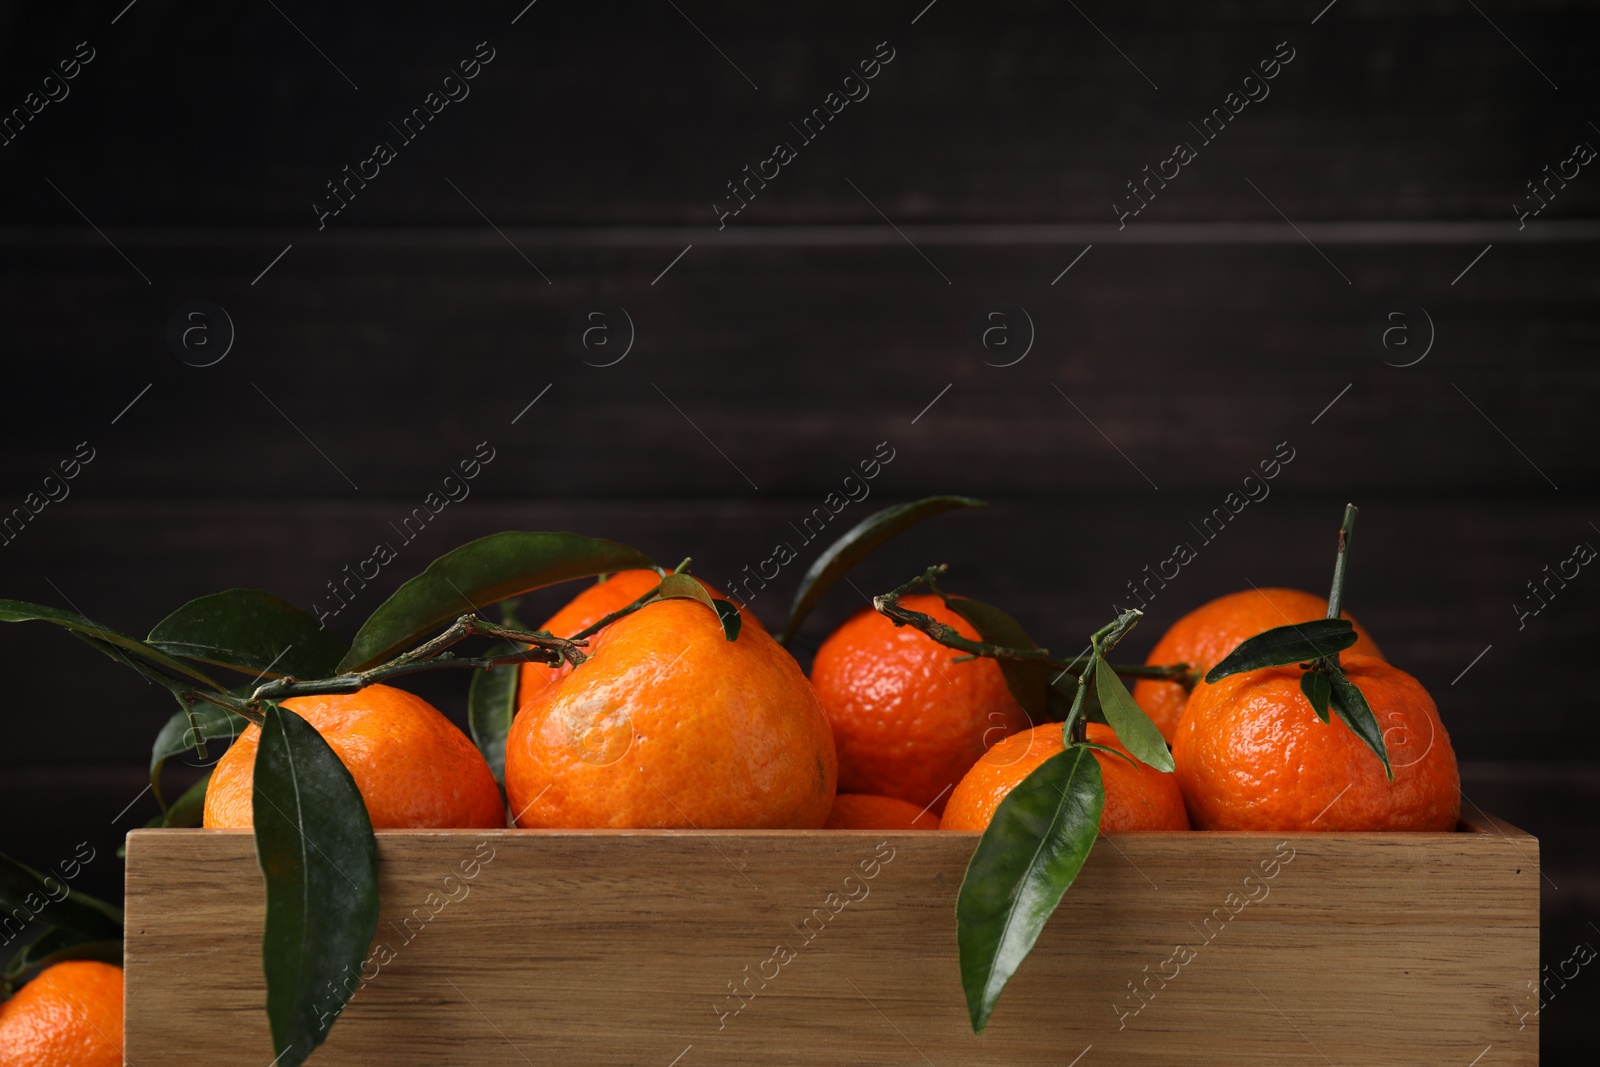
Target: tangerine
{"type": "Point", "coordinates": [1205, 636]}
{"type": "Point", "coordinates": [1138, 797]}
{"type": "Point", "coordinates": [908, 720]}
{"type": "Point", "coordinates": [413, 766]}
{"type": "Point", "coordinates": [1252, 755]}
{"type": "Point", "coordinates": [581, 612]}
{"type": "Point", "coordinates": [70, 1015]}
{"type": "Point", "coordinates": [862, 811]}
{"type": "Point", "coordinates": [667, 724]}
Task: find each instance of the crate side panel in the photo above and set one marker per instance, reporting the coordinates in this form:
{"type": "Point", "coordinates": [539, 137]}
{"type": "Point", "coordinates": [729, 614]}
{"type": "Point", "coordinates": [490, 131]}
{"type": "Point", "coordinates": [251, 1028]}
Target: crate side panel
{"type": "Point", "coordinates": [805, 948]}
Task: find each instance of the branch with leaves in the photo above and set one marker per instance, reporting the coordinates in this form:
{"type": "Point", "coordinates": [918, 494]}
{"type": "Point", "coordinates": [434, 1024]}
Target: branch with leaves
{"type": "Point", "coordinates": [1043, 830]}
{"type": "Point", "coordinates": [540, 647]}
{"type": "Point", "coordinates": [322, 902]}
{"type": "Point", "coordinates": [888, 604]}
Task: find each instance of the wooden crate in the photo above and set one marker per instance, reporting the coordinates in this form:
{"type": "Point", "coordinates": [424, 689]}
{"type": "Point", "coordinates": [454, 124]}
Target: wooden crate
{"type": "Point", "coordinates": [689, 949]}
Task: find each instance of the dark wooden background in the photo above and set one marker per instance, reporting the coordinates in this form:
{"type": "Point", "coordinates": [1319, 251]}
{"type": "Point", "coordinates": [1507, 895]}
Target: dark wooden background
{"type": "Point", "coordinates": [1169, 360]}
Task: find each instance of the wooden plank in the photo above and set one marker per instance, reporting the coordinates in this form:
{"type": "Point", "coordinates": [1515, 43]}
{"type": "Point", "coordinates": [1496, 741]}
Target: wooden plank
{"type": "Point", "coordinates": [625, 948]}
{"type": "Point", "coordinates": [1181, 366]}
{"type": "Point", "coordinates": [1017, 110]}
{"type": "Point", "coordinates": [98, 805]}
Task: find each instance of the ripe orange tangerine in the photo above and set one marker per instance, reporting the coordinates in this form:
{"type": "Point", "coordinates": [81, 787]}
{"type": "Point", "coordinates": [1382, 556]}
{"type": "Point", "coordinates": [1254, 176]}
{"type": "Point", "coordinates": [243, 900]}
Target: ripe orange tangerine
{"type": "Point", "coordinates": [667, 724]}
{"type": "Point", "coordinates": [1251, 754]}
{"type": "Point", "coordinates": [862, 811]}
{"type": "Point", "coordinates": [69, 1015]}
{"type": "Point", "coordinates": [581, 612]}
{"type": "Point", "coordinates": [908, 720]}
{"type": "Point", "coordinates": [1138, 797]}
{"type": "Point", "coordinates": [413, 766]}
{"type": "Point", "coordinates": [588, 608]}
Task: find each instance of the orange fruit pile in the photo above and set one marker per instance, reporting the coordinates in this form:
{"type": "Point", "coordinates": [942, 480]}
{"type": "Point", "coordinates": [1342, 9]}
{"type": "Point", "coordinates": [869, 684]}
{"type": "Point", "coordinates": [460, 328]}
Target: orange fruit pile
{"type": "Point", "coordinates": [1250, 752]}
{"type": "Point", "coordinates": [413, 766]}
{"type": "Point", "coordinates": [908, 721]}
{"type": "Point", "coordinates": [669, 724]}
{"type": "Point", "coordinates": [69, 1015]}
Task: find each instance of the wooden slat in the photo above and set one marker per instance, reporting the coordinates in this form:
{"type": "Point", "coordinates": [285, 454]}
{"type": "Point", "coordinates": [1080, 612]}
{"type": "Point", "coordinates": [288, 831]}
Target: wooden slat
{"type": "Point", "coordinates": [99, 805]}
{"type": "Point", "coordinates": [1194, 361]}
{"type": "Point", "coordinates": [606, 113]}
{"type": "Point", "coordinates": [619, 949]}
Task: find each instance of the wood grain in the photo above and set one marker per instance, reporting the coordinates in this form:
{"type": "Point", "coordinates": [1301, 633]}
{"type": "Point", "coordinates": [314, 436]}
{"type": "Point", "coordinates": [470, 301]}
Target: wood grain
{"type": "Point", "coordinates": [1015, 110]}
{"type": "Point", "coordinates": [620, 948]}
{"type": "Point", "coordinates": [381, 367]}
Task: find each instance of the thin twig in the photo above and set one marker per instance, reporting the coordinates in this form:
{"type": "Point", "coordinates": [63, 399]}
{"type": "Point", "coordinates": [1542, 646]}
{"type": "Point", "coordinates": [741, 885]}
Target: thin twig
{"type": "Point", "coordinates": [433, 655]}
{"type": "Point", "coordinates": [601, 624]}
{"type": "Point", "coordinates": [889, 605]}
{"type": "Point", "coordinates": [1347, 533]}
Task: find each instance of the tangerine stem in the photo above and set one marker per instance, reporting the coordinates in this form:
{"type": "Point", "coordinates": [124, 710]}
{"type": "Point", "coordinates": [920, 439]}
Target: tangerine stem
{"type": "Point", "coordinates": [1105, 639]}
{"type": "Point", "coordinates": [433, 655]}
{"type": "Point", "coordinates": [1076, 728]}
{"type": "Point", "coordinates": [889, 605]}
{"type": "Point", "coordinates": [628, 609]}
{"type": "Point", "coordinates": [226, 701]}
{"type": "Point", "coordinates": [430, 655]}
{"type": "Point", "coordinates": [1347, 531]}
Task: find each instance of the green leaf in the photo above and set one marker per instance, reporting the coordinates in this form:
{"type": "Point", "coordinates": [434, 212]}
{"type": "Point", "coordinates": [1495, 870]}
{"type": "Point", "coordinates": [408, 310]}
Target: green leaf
{"type": "Point", "coordinates": [492, 697]}
{"type": "Point", "coordinates": [476, 575]}
{"type": "Point", "coordinates": [26, 894]}
{"type": "Point", "coordinates": [1318, 688]}
{"type": "Point", "coordinates": [857, 543]}
{"type": "Point", "coordinates": [1132, 726]}
{"type": "Point", "coordinates": [682, 586]}
{"type": "Point", "coordinates": [1284, 645]}
{"type": "Point", "coordinates": [51, 939]}
{"type": "Point", "coordinates": [509, 608]}
{"type": "Point", "coordinates": [1351, 706]}
{"type": "Point", "coordinates": [1032, 850]}
{"type": "Point", "coordinates": [491, 705]}
{"type": "Point", "coordinates": [320, 860]}
{"type": "Point", "coordinates": [56, 945]}
{"type": "Point", "coordinates": [114, 644]}
{"type": "Point", "coordinates": [179, 734]}
{"type": "Point", "coordinates": [1108, 750]}
{"type": "Point", "coordinates": [252, 632]}
{"type": "Point", "coordinates": [189, 809]}
{"type": "Point", "coordinates": [1028, 682]}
